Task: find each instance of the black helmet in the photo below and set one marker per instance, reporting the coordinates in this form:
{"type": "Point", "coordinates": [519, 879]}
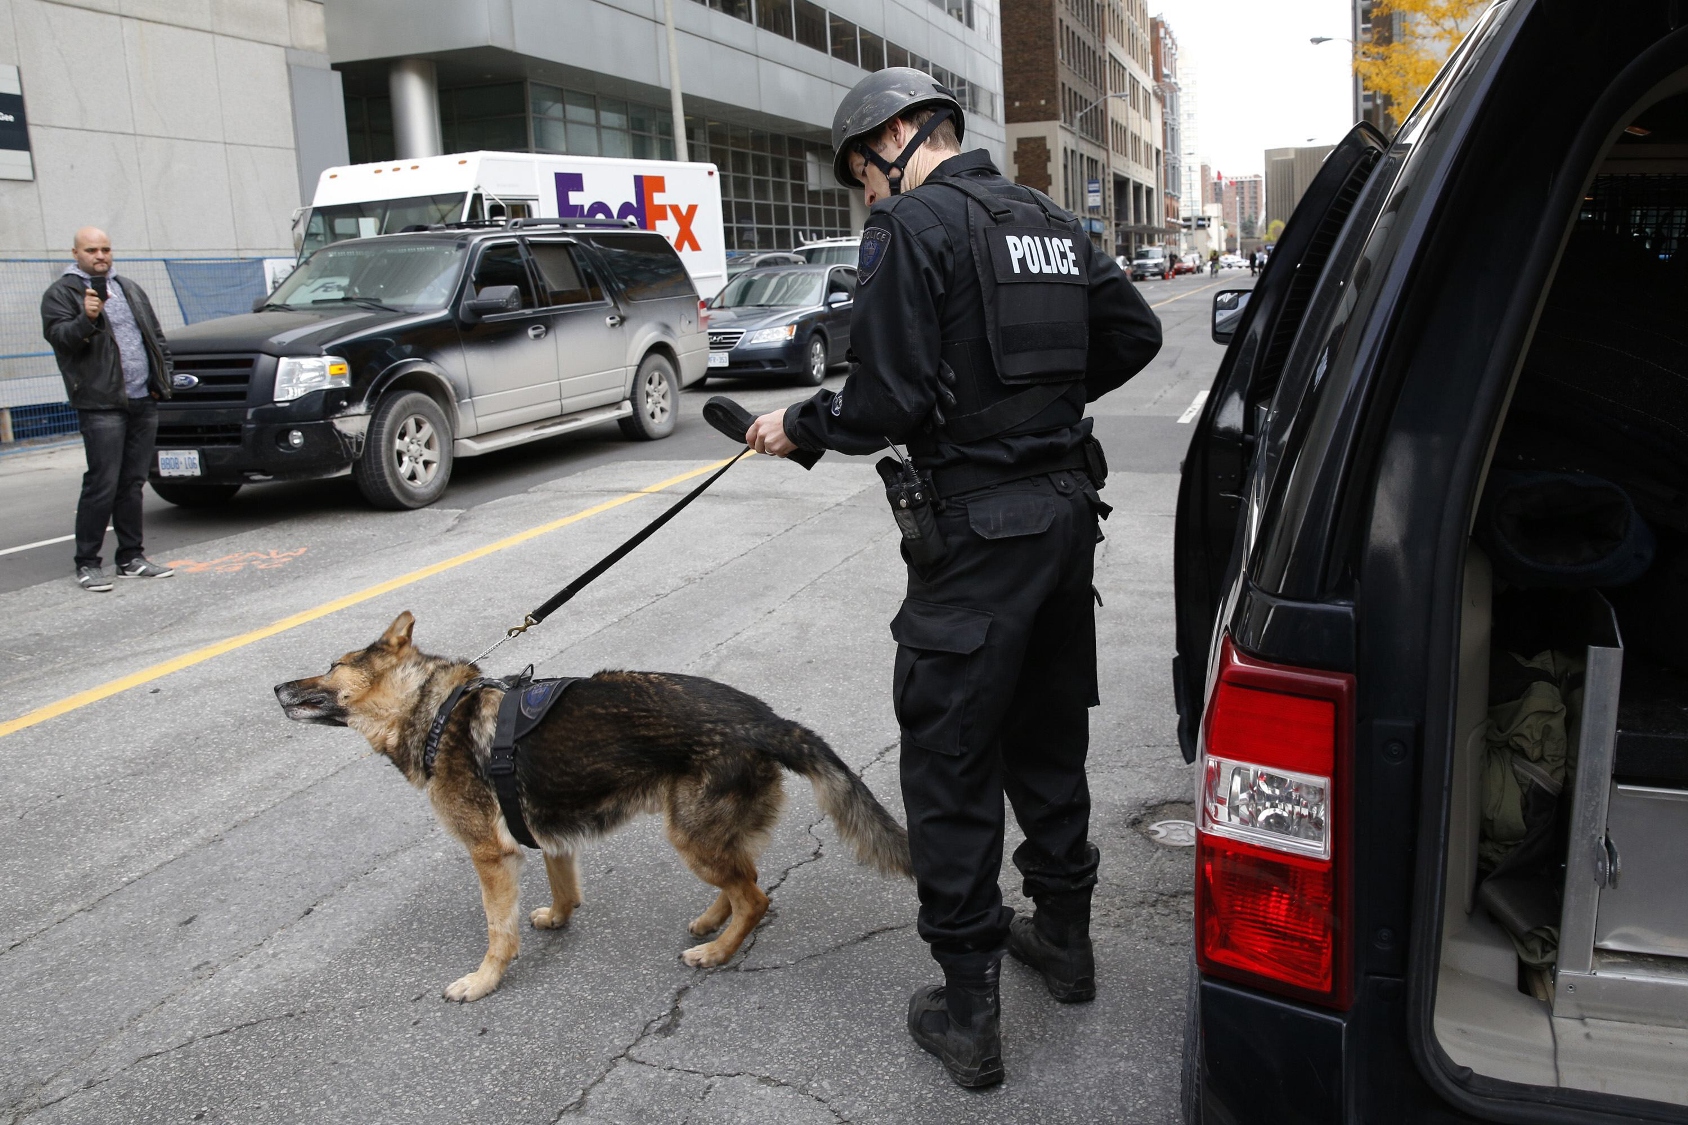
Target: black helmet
{"type": "Point", "coordinates": [876, 99]}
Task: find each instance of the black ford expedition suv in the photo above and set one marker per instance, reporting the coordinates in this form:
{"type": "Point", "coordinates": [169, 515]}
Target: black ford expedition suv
{"type": "Point", "coordinates": [390, 356]}
{"type": "Point", "coordinates": [1432, 601]}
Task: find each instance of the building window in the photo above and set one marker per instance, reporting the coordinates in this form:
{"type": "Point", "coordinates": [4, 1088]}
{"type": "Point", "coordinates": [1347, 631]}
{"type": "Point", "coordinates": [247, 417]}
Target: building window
{"type": "Point", "coordinates": [581, 124]}
{"type": "Point", "coordinates": [484, 117]}
{"type": "Point", "coordinates": [811, 25]}
{"type": "Point", "coordinates": [843, 39]}
{"type": "Point", "coordinates": [775, 16]}
{"type": "Point", "coordinates": [369, 129]}
{"type": "Point", "coordinates": [873, 51]}
{"type": "Point", "coordinates": [738, 9]}
{"type": "Point", "coordinates": [777, 192]}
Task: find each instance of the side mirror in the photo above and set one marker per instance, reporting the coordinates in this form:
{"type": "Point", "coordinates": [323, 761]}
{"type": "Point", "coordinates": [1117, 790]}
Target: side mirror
{"type": "Point", "coordinates": [1228, 306]}
{"type": "Point", "coordinates": [259, 302]}
{"type": "Point", "coordinates": [491, 300]}
{"type": "Point", "coordinates": [833, 300]}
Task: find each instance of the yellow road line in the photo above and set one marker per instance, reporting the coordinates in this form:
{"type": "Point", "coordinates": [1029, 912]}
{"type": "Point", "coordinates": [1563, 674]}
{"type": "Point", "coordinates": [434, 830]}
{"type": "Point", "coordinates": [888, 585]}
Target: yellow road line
{"type": "Point", "coordinates": [1189, 293]}
{"type": "Point", "coordinates": [200, 655]}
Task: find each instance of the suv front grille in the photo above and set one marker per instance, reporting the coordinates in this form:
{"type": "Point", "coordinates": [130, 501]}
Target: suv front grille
{"type": "Point", "coordinates": [220, 378]}
{"type": "Point", "coordinates": [724, 339]}
{"type": "Point", "coordinates": [179, 435]}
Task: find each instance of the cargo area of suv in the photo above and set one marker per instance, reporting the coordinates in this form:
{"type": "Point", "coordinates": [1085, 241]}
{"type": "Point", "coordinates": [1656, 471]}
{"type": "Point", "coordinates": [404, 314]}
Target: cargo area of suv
{"type": "Point", "coordinates": [1564, 958]}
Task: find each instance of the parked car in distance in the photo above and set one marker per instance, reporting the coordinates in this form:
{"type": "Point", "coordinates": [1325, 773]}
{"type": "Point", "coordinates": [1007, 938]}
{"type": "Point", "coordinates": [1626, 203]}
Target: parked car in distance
{"type": "Point", "coordinates": [388, 357]}
{"type": "Point", "coordinates": [1438, 709]}
{"type": "Point", "coordinates": [1232, 262]}
{"type": "Point", "coordinates": [1147, 262]}
{"type": "Point", "coordinates": [1181, 265]}
{"type": "Point", "coordinates": [831, 251]}
{"type": "Point", "coordinates": [782, 321]}
{"type": "Point", "coordinates": [743, 262]}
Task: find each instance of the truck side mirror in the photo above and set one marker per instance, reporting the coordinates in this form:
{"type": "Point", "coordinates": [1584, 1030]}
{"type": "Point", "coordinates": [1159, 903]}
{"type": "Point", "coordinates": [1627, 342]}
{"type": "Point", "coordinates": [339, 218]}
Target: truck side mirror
{"type": "Point", "coordinates": [491, 300]}
{"type": "Point", "coordinates": [1228, 306]}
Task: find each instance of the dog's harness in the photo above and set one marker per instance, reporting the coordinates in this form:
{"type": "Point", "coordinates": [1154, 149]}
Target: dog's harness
{"type": "Point", "coordinates": [524, 706]}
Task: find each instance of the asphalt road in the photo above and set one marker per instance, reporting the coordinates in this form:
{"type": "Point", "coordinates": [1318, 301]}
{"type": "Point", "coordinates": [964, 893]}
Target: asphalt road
{"type": "Point", "coordinates": [211, 914]}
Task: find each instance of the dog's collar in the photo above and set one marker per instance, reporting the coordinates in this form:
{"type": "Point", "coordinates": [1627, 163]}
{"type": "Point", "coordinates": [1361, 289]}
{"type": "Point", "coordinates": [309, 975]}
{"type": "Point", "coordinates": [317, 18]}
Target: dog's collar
{"type": "Point", "coordinates": [431, 748]}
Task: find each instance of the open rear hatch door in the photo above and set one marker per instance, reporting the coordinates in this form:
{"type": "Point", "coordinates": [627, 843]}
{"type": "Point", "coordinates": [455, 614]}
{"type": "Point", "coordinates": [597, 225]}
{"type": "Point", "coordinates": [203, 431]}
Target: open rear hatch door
{"type": "Point", "coordinates": [1209, 530]}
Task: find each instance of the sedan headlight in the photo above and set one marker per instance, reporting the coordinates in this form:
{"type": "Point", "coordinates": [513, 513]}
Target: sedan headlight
{"type": "Point", "coordinates": [771, 335]}
{"type": "Point", "coordinates": [297, 376]}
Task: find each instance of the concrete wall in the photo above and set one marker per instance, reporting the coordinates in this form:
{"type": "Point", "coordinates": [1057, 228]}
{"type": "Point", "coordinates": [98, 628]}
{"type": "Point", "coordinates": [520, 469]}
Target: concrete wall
{"type": "Point", "coordinates": [173, 124]}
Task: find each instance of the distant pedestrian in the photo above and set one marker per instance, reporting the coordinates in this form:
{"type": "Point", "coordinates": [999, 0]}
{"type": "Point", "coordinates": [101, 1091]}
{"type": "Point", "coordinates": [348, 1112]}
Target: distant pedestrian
{"type": "Point", "coordinates": [1253, 263]}
{"type": "Point", "coordinates": [116, 366]}
{"type": "Point", "coordinates": [1213, 263]}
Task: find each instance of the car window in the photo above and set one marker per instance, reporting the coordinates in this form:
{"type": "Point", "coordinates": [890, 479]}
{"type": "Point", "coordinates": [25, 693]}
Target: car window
{"type": "Point", "coordinates": [564, 276]}
{"type": "Point", "coordinates": [771, 289]}
{"type": "Point", "coordinates": [837, 282]}
{"type": "Point", "coordinates": [501, 264]}
{"type": "Point", "coordinates": [646, 266]}
{"type": "Point", "coordinates": [381, 216]}
{"type": "Point", "coordinates": [399, 273]}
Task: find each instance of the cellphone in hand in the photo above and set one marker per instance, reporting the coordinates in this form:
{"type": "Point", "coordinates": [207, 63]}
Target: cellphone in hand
{"type": "Point", "coordinates": [98, 285]}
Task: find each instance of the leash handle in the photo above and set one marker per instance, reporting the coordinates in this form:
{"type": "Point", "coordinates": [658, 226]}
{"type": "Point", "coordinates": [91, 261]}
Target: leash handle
{"type": "Point", "coordinates": [561, 597]}
{"type": "Point", "coordinates": [733, 420]}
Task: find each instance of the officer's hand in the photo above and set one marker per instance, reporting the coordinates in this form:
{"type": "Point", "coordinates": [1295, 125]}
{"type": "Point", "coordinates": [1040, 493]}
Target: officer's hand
{"type": "Point", "coordinates": [767, 435]}
{"type": "Point", "coordinates": [91, 304]}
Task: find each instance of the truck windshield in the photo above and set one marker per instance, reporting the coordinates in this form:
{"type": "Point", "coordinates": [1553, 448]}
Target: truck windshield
{"type": "Point", "coordinates": [836, 255]}
{"type": "Point", "coordinates": [772, 290]}
{"type": "Point", "coordinates": [405, 275]}
{"type": "Point", "coordinates": [340, 221]}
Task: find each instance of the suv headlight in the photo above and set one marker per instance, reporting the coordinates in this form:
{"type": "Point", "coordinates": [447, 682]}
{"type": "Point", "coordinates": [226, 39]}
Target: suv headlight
{"type": "Point", "coordinates": [772, 335]}
{"type": "Point", "coordinates": [296, 376]}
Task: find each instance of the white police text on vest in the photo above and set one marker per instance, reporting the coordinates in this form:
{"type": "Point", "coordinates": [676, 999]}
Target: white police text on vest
{"type": "Point", "coordinates": [1042, 254]}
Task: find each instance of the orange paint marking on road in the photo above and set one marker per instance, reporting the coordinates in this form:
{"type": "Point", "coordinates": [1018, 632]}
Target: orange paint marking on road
{"type": "Point", "coordinates": [240, 560]}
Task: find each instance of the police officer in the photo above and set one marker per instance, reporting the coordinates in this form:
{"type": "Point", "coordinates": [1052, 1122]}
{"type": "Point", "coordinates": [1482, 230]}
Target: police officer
{"type": "Point", "coordinates": [983, 323]}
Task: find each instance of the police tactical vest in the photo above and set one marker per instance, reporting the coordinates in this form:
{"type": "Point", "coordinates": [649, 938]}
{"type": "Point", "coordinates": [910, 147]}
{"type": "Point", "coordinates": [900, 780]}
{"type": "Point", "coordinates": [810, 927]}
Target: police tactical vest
{"type": "Point", "coordinates": [1034, 272]}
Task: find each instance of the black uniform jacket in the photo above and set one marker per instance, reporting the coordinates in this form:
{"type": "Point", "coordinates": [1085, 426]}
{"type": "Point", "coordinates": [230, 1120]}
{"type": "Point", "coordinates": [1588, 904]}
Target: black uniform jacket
{"type": "Point", "coordinates": [89, 361]}
{"type": "Point", "coordinates": [923, 289]}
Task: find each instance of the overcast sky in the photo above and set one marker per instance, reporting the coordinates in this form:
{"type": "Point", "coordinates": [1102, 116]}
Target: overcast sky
{"type": "Point", "coordinates": [1260, 83]}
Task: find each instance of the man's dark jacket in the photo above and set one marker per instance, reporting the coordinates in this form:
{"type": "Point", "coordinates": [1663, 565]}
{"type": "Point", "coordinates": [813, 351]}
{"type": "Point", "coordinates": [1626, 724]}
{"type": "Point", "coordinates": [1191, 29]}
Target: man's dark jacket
{"type": "Point", "coordinates": [87, 349]}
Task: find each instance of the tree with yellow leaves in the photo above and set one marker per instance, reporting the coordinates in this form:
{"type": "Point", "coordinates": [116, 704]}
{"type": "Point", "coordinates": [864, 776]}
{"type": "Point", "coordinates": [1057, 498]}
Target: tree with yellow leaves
{"type": "Point", "coordinates": [1410, 40]}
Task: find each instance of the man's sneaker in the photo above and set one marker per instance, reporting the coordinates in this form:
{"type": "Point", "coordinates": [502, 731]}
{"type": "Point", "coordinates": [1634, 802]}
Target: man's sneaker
{"type": "Point", "coordinates": [1067, 962]}
{"type": "Point", "coordinates": [142, 568]}
{"type": "Point", "coordinates": [93, 578]}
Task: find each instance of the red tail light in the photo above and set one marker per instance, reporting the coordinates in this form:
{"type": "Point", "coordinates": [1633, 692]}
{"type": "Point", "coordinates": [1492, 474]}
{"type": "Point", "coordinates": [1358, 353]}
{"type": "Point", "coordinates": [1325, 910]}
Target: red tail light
{"type": "Point", "coordinates": [703, 316]}
{"type": "Point", "coordinates": [1272, 829]}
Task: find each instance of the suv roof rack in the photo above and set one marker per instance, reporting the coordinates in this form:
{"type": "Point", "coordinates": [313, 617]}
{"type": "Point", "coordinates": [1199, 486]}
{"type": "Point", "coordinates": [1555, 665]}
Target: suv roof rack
{"type": "Point", "coordinates": [628, 223]}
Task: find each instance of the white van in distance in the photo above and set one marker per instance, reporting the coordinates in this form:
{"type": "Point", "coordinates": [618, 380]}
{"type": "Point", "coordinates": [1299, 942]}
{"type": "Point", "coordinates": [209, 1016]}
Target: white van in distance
{"type": "Point", "coordinates": [681, 201]}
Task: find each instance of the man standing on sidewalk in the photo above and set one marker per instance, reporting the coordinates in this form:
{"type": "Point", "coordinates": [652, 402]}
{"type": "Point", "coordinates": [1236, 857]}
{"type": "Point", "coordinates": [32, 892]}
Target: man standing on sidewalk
{"type": "Point", "coordinates": [116, 366]}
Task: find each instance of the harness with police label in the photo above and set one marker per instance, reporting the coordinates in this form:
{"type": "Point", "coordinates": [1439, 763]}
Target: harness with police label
{"type": "Point", "coordinates": [524, 706]}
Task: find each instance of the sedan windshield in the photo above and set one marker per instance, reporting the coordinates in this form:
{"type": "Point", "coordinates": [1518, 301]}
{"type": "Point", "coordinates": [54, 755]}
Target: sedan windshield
{"type": "Point", "coordinates": [404, 275]}
{"type": "Point", "coordinates": [781, 289]}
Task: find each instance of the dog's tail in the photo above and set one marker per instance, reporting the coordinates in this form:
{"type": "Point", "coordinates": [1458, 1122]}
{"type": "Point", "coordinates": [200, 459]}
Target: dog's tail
{"type": "Point", "coordinates": [879, 841]}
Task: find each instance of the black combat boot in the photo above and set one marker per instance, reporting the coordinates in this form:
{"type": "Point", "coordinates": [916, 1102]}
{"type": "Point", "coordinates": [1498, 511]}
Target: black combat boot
{"type": "Point", "coordinates": [960, 1022]}
{"type": "Point", "coordinates": [1056, 942]}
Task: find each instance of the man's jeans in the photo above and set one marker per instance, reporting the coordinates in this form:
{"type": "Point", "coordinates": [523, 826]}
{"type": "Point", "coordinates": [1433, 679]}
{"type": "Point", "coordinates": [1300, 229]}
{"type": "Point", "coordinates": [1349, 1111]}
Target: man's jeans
{"type": "Point", "coordinates": [119, 445]}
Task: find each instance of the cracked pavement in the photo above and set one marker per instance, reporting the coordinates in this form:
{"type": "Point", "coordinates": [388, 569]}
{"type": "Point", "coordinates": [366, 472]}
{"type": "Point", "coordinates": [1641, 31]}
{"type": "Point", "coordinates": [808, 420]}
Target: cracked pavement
{"type": "Point", "coordinates": [211, 914]}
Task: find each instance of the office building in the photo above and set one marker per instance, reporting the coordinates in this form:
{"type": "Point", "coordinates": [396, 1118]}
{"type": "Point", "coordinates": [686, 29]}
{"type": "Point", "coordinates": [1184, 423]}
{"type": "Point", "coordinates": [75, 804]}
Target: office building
{"type": "Point", "coordinates": [760, 79]}
{"type": "Point", "coordinates": [1288, 172]}
{"type": "Point", "coordinates": [1165, 55]}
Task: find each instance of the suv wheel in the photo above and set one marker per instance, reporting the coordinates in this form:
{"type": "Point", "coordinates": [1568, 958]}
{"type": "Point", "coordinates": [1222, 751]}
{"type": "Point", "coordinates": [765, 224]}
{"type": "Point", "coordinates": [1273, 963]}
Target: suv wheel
{"type": "Point", "coordinates": [655, 398]}
{"type": "Point", "coordinates": [406, 458]}
{"type": "Point", "coordinates": [814, 361]}
{"type": "Point", "coordinates": [195, 495]}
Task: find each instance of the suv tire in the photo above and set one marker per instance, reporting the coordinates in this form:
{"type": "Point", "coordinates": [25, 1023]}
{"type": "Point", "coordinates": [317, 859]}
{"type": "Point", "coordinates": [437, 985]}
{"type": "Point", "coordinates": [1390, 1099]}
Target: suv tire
{"type": "Point", "coordinates": [406, 459]}
{"type": "Point", "coordinates": [814, 361]}
{"type": "Point", "coordinates": [655, 399]}
{"type": "Point", "coordinates": [195, 495]}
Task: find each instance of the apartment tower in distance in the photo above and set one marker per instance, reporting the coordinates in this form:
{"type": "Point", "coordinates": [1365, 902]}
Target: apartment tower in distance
{"type": "Point", "coordinates": [1165, 54]}
{"type": "Point", "coordinates": [1081, 111]}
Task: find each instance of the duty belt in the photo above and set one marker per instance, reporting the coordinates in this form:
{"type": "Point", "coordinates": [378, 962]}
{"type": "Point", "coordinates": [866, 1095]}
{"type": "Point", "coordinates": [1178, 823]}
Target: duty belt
{"type": "Point", "coordinates": [971, 476]}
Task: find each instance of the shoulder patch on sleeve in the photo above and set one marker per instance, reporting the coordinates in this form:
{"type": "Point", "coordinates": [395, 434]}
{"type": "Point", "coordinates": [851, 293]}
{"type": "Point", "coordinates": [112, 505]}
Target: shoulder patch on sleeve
{"type": "Point", "coordinates": [875, 241]}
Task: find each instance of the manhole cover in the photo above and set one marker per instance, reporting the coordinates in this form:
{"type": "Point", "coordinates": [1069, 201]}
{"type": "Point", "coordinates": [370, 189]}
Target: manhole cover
{"type": "Point", "coordinates": [1173, 833]}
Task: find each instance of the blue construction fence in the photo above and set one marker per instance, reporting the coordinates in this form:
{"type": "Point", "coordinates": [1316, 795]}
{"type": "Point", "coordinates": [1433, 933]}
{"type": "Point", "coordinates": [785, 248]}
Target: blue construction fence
{"type": "Point", "coordinates": [183, 291]}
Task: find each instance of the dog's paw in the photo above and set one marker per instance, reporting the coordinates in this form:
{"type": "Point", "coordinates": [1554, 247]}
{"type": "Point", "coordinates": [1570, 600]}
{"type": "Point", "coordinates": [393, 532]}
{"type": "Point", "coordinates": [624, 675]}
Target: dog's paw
{"type": "Point", "coordinates": [703, 926]}
{"type": "Point", "coordinates": [705, 956]}
{"type": "Point", "coordinates": [472, 987]}
{"type": "Point", "coordinates": [549, 918]}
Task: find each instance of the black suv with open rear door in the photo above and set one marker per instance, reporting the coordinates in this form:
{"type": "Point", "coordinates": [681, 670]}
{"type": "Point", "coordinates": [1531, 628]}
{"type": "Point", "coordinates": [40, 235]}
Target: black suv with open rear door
{"type": "Point", "coordinates": [1432, 598]}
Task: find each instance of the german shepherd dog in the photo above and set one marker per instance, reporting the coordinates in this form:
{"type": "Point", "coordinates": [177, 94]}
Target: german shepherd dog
{"type": "Point", "coordinates": [707, 756]}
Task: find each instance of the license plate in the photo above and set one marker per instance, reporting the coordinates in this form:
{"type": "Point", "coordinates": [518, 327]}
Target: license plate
{"type": "Point", "coordinates": [178, 463]}
{"type": "Point", "coordinates": [717, 359]}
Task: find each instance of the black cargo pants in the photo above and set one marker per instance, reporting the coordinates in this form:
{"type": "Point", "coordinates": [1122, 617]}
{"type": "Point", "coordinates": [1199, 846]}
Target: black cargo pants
{"type": "Point", "coordinates": [996, 670]}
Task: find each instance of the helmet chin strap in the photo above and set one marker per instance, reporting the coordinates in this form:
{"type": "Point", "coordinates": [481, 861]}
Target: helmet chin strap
{"type": "Point", "coordinates": [887, 167]}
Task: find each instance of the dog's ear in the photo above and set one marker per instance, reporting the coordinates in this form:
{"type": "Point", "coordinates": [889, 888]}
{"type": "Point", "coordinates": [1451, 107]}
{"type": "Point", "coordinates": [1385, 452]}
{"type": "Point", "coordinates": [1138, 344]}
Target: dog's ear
{"type": "Point", "coordinates": [398, 633]}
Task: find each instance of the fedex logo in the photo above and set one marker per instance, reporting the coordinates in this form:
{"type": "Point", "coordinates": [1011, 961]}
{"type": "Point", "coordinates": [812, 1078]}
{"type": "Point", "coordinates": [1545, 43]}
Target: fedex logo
{"type": "Point", "coordinates": [643, 208]}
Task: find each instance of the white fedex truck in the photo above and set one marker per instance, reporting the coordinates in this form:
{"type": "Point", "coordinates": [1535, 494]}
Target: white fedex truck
{"type": "Point", "coordinates": [681, 201]}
